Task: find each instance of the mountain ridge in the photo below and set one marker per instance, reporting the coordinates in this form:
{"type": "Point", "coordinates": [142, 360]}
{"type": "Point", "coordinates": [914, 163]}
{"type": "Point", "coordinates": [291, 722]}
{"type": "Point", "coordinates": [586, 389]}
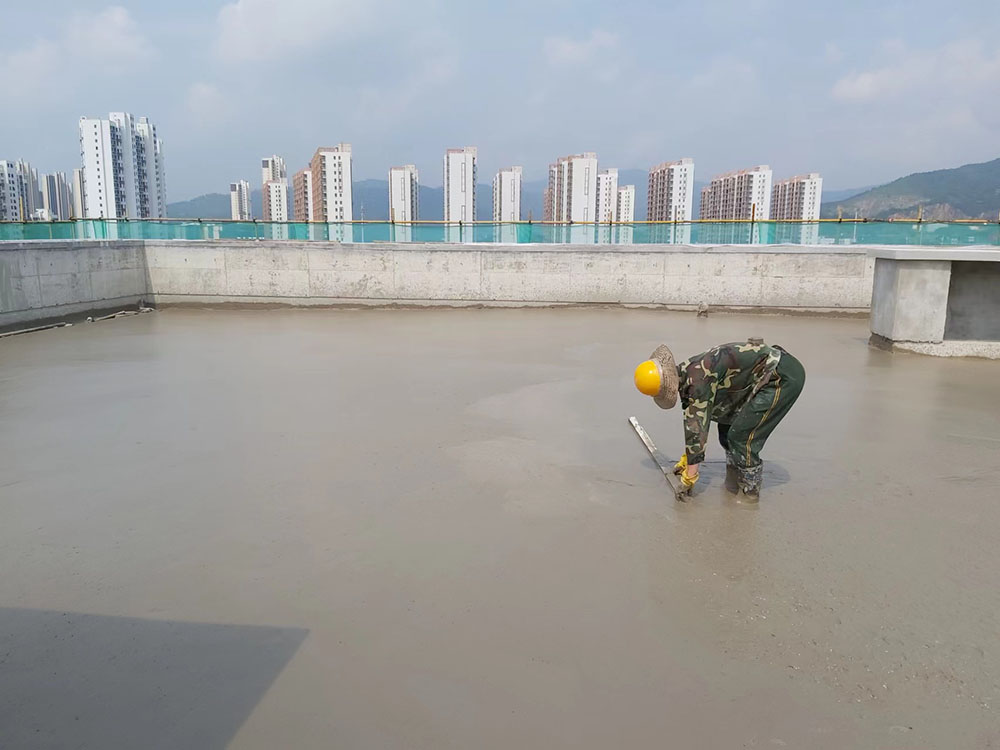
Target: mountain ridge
{"type": "Point", "coordinates": [971, 191]}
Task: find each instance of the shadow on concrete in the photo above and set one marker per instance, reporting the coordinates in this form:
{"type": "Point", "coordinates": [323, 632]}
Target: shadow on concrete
{"type": "Point", "coordinates": [91, 681]}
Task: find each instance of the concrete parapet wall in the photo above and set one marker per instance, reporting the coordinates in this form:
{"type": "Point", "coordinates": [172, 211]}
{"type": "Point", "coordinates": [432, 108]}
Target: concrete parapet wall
{"type": "Point", "coordinates": [670, 275]}
{"type": "Point", "coordinates": [46, 279]}
{"type": "Point", "coordinates": [40, 280]}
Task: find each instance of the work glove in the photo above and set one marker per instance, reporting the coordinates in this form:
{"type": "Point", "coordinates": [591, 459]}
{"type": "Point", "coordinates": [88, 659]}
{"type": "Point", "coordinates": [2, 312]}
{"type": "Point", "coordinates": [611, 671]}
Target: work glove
{"type": "Point", "coordinates": [687, 482]}
{"type": "Point", "coordinates": [681, 465]}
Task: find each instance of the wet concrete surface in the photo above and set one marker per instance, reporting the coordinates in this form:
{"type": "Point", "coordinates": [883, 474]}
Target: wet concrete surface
{"type": "Point", "coordinates": [436, 529]}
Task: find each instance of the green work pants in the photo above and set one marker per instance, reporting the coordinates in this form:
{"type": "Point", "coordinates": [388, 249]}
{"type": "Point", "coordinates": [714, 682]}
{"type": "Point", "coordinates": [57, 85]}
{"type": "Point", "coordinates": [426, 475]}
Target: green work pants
{"type": "Point", "coordinates": [744, 438]}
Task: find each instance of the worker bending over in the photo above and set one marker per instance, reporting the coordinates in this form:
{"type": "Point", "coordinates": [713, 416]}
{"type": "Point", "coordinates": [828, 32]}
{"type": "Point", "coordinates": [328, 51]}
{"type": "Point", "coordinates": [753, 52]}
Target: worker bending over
{"type": "Point", "coordinates": [747, 388]}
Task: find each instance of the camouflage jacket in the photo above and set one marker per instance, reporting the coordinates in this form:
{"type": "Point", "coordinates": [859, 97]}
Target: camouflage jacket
{"type": "Point", "coordinates": [715, 386]}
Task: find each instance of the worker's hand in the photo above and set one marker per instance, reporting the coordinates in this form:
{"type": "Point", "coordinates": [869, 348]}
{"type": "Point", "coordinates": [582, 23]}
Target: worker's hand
{"type": "Point", "coordinates": [681, 465]}
{"type": "Point", "coordinates": [689, 476]}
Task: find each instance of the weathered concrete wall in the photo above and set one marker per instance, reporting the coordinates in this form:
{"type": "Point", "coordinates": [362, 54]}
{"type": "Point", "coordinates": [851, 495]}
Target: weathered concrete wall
{"type": "Point", "coordinates": [910, 299]}
{"type": "Point", "coordinates": [672, 275]}
{"type": "Point", "coordinates": [40, 280]}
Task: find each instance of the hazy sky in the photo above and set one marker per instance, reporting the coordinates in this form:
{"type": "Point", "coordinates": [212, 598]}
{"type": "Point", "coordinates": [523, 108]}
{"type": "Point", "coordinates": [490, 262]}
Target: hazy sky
{"type": "Point", "coordinates": [860, 91]}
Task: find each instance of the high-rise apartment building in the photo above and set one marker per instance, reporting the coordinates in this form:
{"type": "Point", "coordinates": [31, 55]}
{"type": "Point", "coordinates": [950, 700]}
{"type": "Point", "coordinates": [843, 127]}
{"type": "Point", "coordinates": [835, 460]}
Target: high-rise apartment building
{"type": "Point", "coordinates": [573, 188]}
{"type": "Point", "coordinates": [274, 189]}
{"type": "Point", "coordinates": [797, 198]}
{"type": "Point", "coordinates": [274, 196]}
{"type": "Point", "coordinates": [332, 183]}
{"type": "Point", "coordinates": [10, 192]}
{"type": "Point", "coordinates": [740, 196]}
{"type": "Point", "coordinates": [239, 201]}
{"type": "Point", "coordinates": [607, 195]}
{"type": "Point", "coordinates": [31, 191]}
{"type": "Point", "coordinates": [56, 197]}
{"type": "Point", "coordinates": [625, 210]}
{"type": "Point", "coordinates": [151, 181]}
{"type": "Point", "coordinates": [77, 192]}
{"type": "Point", "coordinates": [302, 196]}
{"type": "Point", "coordinates": [671, 191]}
{"type": "Point", "coordinates": [460, 177]}
{"type": "Point", "coordinates": [507, 194]}
{"type": "Point", "coordinates": [404, 200]}
{"type": "Point", "coordinates": [123, 173]}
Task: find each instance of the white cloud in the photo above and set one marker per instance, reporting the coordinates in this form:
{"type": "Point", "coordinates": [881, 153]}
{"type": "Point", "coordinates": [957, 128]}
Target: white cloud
{"type": "Point", "coordinates": [963, 66]}
{"type": "Point", "coordinates": [566, 52]}
{"type": "Point", "coordinates": [109, 42]}
{"type": "Point", "coordinates": [268, 30]}
{"type": "Point", "coordinates": [111, 35]}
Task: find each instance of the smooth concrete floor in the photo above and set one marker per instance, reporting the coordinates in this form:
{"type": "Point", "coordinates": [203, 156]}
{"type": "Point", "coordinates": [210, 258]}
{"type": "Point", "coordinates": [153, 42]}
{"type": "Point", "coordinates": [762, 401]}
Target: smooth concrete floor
{"type": "Point", "coordinates": [436, 529]}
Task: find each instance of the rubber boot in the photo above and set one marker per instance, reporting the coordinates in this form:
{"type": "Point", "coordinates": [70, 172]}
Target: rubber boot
{"type": "Point", "coordinates": [750, 481]}
{"type": "Point", "coordinates": [732, 483]}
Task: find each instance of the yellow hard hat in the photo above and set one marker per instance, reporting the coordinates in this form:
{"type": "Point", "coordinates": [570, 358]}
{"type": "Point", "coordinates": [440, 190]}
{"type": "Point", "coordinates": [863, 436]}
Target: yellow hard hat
{"type": "Point", "coordinates": [649, 378]}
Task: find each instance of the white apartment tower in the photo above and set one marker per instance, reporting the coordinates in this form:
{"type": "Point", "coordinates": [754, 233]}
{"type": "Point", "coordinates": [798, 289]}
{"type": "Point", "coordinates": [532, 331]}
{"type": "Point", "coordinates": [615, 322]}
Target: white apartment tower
{"type": "Point", "coordinates": [797, 198]}
{"type": "Point", "coordinates": [239, 201]}
{"type": "Point", "coordinates": [507, 194]}
{"type": "Point", "coordinates": [404, 193]}
{"type": "Point", "coordinates": [671, 191]}
{"type": "Point", "coordinates": [302, 196]}
{"type": "Point", "coordinates": [607, 195]}
{"type": "Point", "coordinates": [123, 174]}
{"type": "Point", "coordinates": [625, 210]}
{"type": "Point", "coordinates": [150, 178]}
{"type": "Point", "coordinates": [738, 196]}
{"type": "Point", "coordinates": [332, 183]}
{"type": "Point", "coordinates": [10, 192]}
{"type": "Point", "coordinates": [572, 191]}
{"type": "Point", "coordinates": [460, 177]}
{"type": "Point", "coordinates": [274, 189]}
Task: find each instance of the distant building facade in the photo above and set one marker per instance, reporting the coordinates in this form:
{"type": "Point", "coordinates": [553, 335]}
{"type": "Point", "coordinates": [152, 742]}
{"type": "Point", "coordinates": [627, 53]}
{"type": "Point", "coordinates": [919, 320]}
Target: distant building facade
{"type": "Point", "coordinates": [626, 203]}
{"type": "Point", "coordinates": [738, 196]}
{"type": "Point", "coordinates": [404, 199]}
{"type": "Point", "coordinates": [671, 191]}
{"type": "Point", "coordinates": [77, 192]}
{"type": "Point", "coordinates": [274, 189]}
{"type": "Point", "coordinates": [607, 195]}
{"type": "Point", "coordinates": [56, 197]}
{"type": "Point", "coordinates": [332, 183]}
{"type": "Point", "coordinates": [239, 201]}
{"type": "Point", "coordinates": [10, 192]}
{"type": "Point", "coordinates": [460, 172]}
{"type": "Point", "coordinates": [507, 194]}
{"type": "Point", "coordinates": [123, 171]}
{"type": "Point", "coordinates": [150, 177]}
{"type": "Point", "coordinates": [573, 188]}
{"type": "Point", "coordinates": [797, 198]}
{"type": "Point", "coordinates": [302, 196]}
